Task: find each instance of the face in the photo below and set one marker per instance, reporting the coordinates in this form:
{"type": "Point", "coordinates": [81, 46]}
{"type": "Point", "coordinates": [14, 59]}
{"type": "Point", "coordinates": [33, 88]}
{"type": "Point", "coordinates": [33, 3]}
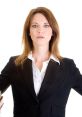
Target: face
{"type": "Point", "coordinates": [40, 30]}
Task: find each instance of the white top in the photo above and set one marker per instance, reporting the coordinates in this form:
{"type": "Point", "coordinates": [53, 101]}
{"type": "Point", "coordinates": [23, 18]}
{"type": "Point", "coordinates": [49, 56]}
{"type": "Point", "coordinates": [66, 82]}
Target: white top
{"type": "Point", "coordinates": [38, 75]}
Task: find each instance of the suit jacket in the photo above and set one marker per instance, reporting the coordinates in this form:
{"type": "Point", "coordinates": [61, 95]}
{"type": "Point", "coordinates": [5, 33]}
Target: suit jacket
{"type": "Point", "coordinates": [54, 92]}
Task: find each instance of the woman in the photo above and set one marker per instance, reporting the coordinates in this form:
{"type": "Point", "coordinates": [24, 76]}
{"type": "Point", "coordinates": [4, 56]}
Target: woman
{"type": "Point", "coordinates": [40, 78]}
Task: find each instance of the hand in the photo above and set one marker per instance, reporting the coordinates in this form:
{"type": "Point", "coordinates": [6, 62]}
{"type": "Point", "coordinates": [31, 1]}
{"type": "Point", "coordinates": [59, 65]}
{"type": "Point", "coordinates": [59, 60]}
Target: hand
{"type": "Point", "coordinates": [1, 101]}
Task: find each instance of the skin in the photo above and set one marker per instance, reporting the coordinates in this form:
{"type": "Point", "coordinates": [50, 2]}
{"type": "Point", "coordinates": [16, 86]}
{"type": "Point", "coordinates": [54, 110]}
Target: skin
{"type": "Point", "coordinates": [1, 101]}
{"type": "Point", "coordinates": [41, 33]}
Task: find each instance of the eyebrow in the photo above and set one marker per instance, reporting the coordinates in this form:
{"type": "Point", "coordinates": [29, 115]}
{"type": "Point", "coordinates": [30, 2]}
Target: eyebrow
{"type": "Point", "coordinates": [37, 23]}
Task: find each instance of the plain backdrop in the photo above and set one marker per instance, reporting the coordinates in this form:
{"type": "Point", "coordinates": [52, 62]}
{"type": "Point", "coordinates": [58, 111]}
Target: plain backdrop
{"type": "Point", "coordinates": [69, 16]}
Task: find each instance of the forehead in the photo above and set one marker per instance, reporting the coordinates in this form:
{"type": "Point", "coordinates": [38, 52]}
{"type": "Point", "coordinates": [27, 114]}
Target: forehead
{"type": "Point", "coordinates": [39, 17]}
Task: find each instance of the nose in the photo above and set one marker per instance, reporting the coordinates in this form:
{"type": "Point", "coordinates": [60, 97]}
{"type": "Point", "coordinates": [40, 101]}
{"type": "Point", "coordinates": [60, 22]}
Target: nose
{"type": "Point", "coordinates": [40, 29]}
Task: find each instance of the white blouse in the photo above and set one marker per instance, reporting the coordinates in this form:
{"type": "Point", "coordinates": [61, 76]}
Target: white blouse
{"type": "Point", "coordinates": [38, 75]}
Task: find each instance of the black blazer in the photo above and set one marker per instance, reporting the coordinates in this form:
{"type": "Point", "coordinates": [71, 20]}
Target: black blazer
{"type": "Point", "coordinates": [53, 95]}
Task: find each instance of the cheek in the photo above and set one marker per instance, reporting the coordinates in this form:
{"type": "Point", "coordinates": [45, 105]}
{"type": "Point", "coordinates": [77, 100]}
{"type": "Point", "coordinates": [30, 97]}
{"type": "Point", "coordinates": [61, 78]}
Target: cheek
{"type": "Point", "coordinates": [49, 34]}
{"type": "Point", "coordinates": [32, 34]}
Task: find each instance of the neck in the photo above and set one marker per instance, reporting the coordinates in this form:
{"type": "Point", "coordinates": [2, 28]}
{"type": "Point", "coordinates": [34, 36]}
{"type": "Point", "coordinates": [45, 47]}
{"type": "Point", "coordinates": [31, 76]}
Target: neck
{"type": "Point", "coordinates": [41, 53]}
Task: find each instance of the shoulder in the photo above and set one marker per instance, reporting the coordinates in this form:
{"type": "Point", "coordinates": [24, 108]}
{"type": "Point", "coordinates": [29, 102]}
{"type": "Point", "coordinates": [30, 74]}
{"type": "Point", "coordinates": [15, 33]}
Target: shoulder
{"type": "Point", "coordinates": [13, 57]}
{"type": "Point", "coordinates": [10, 65]}
{"type": "Point", "coordinates": [67, 62]}
{"type": "Point", "coordinates": [11, 61]}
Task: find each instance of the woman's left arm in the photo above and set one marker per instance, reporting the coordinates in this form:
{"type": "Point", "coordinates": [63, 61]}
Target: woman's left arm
{"type": "Point", "coordinates": [77, 78]}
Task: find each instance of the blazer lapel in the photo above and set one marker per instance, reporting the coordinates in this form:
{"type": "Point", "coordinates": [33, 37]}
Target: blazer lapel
{"type": "Point", "coordinates": [49, 78]}
{"type": "Point", "coordinates": [28, 77]}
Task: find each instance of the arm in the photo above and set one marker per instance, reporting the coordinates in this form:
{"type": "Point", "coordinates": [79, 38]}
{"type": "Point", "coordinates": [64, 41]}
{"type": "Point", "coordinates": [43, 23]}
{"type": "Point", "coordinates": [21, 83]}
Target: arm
{"type": "Point", "coordinates": [7, 74]}
{"type": "Point", "coordinates": [77, 78]}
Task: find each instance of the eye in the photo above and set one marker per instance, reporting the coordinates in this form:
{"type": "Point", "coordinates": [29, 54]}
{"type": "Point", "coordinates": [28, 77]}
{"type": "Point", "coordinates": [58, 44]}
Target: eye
{"type": "Point", "coordinates": [46, 25]}
{"type": "Point", "coordinates": [34, 26]}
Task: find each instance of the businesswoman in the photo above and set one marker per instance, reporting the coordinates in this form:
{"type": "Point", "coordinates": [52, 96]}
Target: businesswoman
{"type": "Point", "coordinates": [40, 78]}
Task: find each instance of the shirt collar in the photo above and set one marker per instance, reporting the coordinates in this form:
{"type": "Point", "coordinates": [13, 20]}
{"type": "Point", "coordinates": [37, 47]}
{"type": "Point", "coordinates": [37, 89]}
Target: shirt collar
{"type": "Point", "coordinates": [51, 57]}
{"type": "Point", "coordinates": [54, 58]}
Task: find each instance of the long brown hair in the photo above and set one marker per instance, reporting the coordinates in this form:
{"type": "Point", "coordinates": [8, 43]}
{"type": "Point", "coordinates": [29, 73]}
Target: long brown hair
{"type": "Point", "coordinates": [27, 41]}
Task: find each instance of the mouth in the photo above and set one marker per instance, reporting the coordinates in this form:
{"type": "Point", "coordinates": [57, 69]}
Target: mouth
{"type": "Point", "coordinates": [40, 37]}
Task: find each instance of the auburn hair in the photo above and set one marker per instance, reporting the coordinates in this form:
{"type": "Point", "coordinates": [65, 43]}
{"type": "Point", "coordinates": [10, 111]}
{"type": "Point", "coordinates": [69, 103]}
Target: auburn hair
{"type": "Point", "coordinates": [27, 41]}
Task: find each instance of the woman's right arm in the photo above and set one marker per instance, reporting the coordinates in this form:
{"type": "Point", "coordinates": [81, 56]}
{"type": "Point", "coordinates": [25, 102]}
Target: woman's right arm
{"type": "Point", "coordinates": [7, 74]}
{"type": "Point", "coordinates": [5, 80]}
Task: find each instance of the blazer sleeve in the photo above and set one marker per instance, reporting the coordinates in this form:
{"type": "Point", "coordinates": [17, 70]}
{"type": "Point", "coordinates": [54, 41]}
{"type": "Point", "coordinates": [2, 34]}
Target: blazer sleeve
{"type": "Point", "coordinates": [6, 74]}
{"type": "Point", "coordinates": [77, 78]}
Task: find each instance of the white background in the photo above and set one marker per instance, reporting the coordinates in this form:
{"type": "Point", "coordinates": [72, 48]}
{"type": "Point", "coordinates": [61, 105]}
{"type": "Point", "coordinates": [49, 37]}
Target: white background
{"type": "Point", "coordinates": [69, 16]}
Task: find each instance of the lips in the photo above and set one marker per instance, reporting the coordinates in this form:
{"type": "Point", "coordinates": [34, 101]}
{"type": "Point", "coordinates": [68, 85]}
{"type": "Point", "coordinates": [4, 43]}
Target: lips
{"type": "Point", "coordinates": [40, 37]}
